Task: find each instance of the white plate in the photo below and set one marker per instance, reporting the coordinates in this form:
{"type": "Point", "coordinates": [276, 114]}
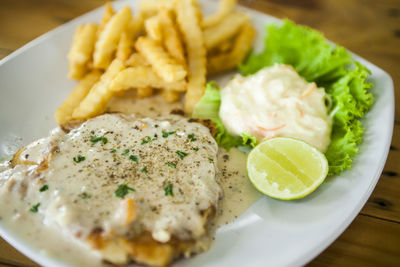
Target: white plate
{"type": "Point", "coordinates": [270, 233]}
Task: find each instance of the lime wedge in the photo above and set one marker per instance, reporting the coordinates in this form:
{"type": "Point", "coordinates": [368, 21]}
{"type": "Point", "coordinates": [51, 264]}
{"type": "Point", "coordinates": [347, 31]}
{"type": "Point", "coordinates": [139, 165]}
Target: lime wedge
{"type": "Point", "coordinates": [286, 168]}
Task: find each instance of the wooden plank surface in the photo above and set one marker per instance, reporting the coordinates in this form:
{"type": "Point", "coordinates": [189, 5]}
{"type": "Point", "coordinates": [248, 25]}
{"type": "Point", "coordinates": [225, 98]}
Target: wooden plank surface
{"type": "Point", "coordinates": [9, 256]}
{"type": "Point", "coordinates": [369, 28]}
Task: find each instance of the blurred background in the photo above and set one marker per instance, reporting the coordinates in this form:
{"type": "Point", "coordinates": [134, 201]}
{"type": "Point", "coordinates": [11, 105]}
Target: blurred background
{"type": "Point", "coordinates": [368, 28]}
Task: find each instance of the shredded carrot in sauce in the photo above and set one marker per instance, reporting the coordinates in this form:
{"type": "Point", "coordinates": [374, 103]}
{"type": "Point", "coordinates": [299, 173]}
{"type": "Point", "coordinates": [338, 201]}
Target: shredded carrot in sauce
{"type": "Point", "coordinates": [272, 129]}
{"type": "Point", "coordinates": [300, 111]}
{"type": "Point", "coordinates": [309, 91]}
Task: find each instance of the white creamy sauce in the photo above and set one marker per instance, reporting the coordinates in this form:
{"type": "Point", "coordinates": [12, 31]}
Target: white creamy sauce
{"type": "Point", "coordinates": [79, 201]}
{"type": "Point", "coordinates": [146, 107]}
{"type": "Point", "coordinates": [276, 101]}
{"type": "Point", "coordinates": [239, 193]}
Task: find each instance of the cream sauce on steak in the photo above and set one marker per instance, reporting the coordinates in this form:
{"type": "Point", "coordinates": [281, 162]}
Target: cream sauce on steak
{"type": "Point", "coordinates": [89, 165]}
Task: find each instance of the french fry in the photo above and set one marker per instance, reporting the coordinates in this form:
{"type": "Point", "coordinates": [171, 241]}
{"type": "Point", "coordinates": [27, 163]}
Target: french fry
{"type": "Point", "coordinates": [151, 7]}
{"type": "Point", "coordinates": [170, 36]}
{"type": "Point", "coordinates": [222, 48]}
{"type": "Point", "coordinates": [81, 50]}
{"type": "Point", "coordinates": [124, 48]}
{"type": "Point", "coordinates": [225, 8]}
{"type": "Point", "coordinates": [170, 96]}
{"type": "Point", "coordinates": [225, 46]}
{"type": "Point", "coordinates": [144, 92]}
{"type": "Point", "coordinates": [163, 64]}
{"type": "Point", "coordinates": [173, 48]}
{"type": "Point", "coordinates": [141, 77]}
{"type": "Point", "coordinates": [225, 30]}
{"type": "Point", "coordinates": [125, 45]}
{"type": "Point", "coordinates": [96, 100]}
{"type": "Point", "coordinates": [126, 42]}
{"type": "Point", "coordinates": [108, 13]}
{"type": "Point", "coordinates": [137, 24]}
{"type": "Point", "coordinates": [135, 60]}
{"type": "Point", "coordinates": [109, 37]}
{"type": "Point", "coordinates": [232, 59]}
{"type": "Point", "coordinates": [189, 24]}
{"type": "Point", "coordinates": [64, 112]}
{"type": "Point", "coordinates": [153, 28]}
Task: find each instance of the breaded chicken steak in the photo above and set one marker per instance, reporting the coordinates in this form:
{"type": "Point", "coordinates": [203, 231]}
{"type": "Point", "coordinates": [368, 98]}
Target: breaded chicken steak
{"type": "Point", "coordinates": [132, 189]}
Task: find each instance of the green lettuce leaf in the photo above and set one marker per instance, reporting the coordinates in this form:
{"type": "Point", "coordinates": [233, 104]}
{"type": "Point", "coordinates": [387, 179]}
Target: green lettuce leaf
{"type": "Point", "coordinates": [249, 140]}
{"type": "Point", "coordinates": [331, 67]}
{"type": "Point", "coordinates": [208, 108]}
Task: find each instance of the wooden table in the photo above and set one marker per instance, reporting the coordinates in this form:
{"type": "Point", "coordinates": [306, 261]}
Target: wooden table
{"type": "Point", "coordinates": [369, 28]}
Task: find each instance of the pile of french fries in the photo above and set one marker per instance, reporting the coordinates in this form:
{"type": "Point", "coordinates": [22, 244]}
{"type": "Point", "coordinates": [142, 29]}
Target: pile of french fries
{"type": "Point", "coordinates": [167, 47]}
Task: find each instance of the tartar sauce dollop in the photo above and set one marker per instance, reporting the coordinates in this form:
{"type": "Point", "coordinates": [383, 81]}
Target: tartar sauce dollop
{"type": "Point", "coordinates": [276, 101]}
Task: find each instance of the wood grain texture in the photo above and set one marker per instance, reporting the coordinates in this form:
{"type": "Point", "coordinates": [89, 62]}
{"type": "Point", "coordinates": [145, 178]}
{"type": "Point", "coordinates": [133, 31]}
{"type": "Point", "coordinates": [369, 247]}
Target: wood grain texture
{"type": "Point", "coordinates": [368, 28]}
{"type": "Point", "coordinates": [9, 256]}
{"type": "Point", "coordinates": [367, 242]}
{"type": "Point", "coordinates": [385, 200]}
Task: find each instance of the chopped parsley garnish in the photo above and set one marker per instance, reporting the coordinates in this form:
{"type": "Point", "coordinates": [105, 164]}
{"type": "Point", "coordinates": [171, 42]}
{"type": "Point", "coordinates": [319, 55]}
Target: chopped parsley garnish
{"type": "Point", "coordinates": [210, 160]}
{"type": "Point", "coordinates": [44, 188]}
{"type": "Point", "coordinates": [78, 159]}
{"type": "Point", "coordinates": [35, 208]}
{"type": "Point", "coordinates": [165, 134]}
{"type": "Point", "coordinates": [192, 137]}
{"type": "Point", "coordinates": [126, 151]}
{"type": "Point", "coordinates": [144, 170]}
{"type": "Point", "coordinates": [196, 149]}
{"type": "Point", "coordinates": [181, 154]}
{"type": "Point", "coordinates": [148, 139]}
{"type": "Point", "coordinates": [134, 158]}
{"type": "Point", "coordinates": [123, 190]}
{"type": "Point", "coordinates": [113, 150]}
{"type": "Point", "coordinates": [172, 165]}
{"type": "Point", "coordinates": [95, 139]}
{"type": "Point", "coordinates": [85, 195]}
{"type": "Point", "coordinates": [168, 190]}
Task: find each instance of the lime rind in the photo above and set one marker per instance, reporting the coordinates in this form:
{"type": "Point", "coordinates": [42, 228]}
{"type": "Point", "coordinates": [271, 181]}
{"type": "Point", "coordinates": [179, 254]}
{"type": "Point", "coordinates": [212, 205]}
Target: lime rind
{"type": "Point", "coordinates": [309, 162]}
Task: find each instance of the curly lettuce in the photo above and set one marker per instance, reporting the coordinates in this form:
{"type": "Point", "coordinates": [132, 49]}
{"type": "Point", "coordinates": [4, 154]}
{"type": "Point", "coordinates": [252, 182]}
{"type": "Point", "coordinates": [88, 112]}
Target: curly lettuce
{"type": "Point", "coordinates": [330, 67]}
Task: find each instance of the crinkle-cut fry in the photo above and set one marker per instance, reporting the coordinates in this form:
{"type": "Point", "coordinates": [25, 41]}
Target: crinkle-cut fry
{"type": "Point", "coordinates": [151, 7]}
{"type": "Point", "coordinates": [144, 92]}
{"type": "Point", "coordinates": [64, 112]}
{"type": "Point", "coordinates": [225, 8]}
{"type": "Point", "coordinates": [77, 71]}
{"type": "Point", "coordinates": [135, 60]}
{"type": "Point", "coordinates": [96, 100]}
{"type": "Point", "coordinates": [170, 96]}
{"type": "Point", "coordinates": [138, 22]}
{"type": "Point", "coordinates": [81, 50]}
{"type": "Point", "coordinates": [125, 45]}
{"type": "Point", "coordinates": [140, 77]}
{"type": "Point", "coordinates": [170, 35]}
{"type": "Point", "coordinates": [109, 37]}
{"type": "Point", "coordinates": [242, 45]}
{"type": "Point", "coordinates": [153, 28]}
{"type": "Point", "coordinates": [163, 64]}
{"type": "Point", "coordinates": [75, 39]}
{"type": "Point", "coordinates": [136, 26]}
{"type": "Point", "coordinates": [225, 30]}
{"type": "Point", "coordinates": [193, 37]}
{"type": "Point", "coordinates": [107, 15]}
{"type": "Point", "coordinates": [225, 46]}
